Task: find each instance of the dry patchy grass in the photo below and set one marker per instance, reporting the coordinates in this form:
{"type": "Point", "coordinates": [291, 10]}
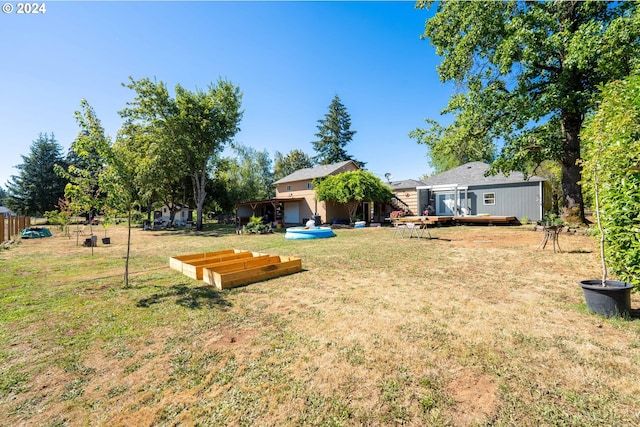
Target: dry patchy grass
{"type": "Point", "coordinates": [475, 327]}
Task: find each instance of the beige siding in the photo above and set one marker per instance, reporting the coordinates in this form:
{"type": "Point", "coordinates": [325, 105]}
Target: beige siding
{"type": "Point", "coordinates": [410, 197]}
{"type": "Point", "coordinates": [310, 206]}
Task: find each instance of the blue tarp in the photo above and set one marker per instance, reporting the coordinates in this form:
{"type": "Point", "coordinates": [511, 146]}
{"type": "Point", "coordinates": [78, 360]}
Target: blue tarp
{"type": "Point", "coordinates": [35, 233]}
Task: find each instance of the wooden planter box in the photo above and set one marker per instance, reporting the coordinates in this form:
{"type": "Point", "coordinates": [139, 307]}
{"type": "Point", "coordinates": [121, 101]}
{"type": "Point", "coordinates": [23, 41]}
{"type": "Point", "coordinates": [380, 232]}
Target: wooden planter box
{"type": "Point", "coordinates": [232, 267]}
{"type": "Point", "coordinates": [241, 272]}
{"type": "Point", "coordinates": [191, 265]}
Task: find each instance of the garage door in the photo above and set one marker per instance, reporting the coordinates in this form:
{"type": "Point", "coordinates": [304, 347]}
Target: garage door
{"type": "Point", "coordinates": [292, 213]}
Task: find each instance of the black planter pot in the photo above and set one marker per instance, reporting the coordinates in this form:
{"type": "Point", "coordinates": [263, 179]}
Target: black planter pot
{"type": "Point", "coordinates": [611, 300]}
{"type": "Point", "coordinates": [106, 240]}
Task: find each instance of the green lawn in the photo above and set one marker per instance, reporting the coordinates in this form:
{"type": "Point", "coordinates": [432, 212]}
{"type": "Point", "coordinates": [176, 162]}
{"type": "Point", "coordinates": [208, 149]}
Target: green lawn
{"type": "Point", "coordinates": [475, 327]}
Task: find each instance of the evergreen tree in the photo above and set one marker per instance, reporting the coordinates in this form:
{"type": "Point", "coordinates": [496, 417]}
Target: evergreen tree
{"type": "Point", "coordinates": [334, 134]}
{"type": "Point", "coordinates": [286, 165]}
{"type": "Point", "coordinates": [37, 188]}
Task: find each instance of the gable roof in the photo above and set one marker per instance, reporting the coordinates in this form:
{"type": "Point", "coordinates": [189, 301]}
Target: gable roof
{"type": "Point", "coordinates": [6, 211]}
{"type": "Point", "coordinates": [472, 173]}
{"type": "Point", "coordinates": [315, 172]}
{"type": "Point", "coordinates": [407, 184]}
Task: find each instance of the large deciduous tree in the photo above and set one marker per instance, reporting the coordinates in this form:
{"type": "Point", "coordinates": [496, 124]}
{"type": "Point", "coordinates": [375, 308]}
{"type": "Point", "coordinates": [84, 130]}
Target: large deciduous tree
{"type": "Point", "coordinates": [334, 133]}
{"type": "Point", "coordinates": [247, 176]}
{"type": "Point", "coordinates": [352, 188]}
{"type": "Point", "coordinates": [37, 188]}
{"type": "Point", "coordinates": [528, 73]}
{"type": "Point", "coordinates": [193, 127]}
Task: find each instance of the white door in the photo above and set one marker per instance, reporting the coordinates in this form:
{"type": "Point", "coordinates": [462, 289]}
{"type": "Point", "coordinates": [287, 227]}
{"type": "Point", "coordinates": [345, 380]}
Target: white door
{"type": "Point", "coordinates": [292, 213]}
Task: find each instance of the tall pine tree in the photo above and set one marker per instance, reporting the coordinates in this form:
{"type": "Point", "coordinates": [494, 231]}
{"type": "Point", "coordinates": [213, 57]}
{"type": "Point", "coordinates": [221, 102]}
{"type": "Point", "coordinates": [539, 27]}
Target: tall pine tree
{"type": "Point", "coordinates": [37, 188]}
{"type": "Point", "coordinates": [334, 134]}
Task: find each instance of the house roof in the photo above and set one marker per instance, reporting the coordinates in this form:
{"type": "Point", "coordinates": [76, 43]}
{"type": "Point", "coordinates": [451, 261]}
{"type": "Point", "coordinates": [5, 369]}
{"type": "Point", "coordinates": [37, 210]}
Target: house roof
{"type": "Point", "coordinates": [6, 211]}
{"type": "Point", "coordinates": [405, 184]}
{"type": "Point", "coordinates": [472, 173]}
{"type": "Point", "coordinates": [315, 172]}
{"type": "Point", "coordinates": [270, 201]}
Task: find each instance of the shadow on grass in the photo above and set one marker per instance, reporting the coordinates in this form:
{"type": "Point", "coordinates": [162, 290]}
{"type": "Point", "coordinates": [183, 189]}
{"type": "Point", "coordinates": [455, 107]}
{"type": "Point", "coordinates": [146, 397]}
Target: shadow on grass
{"type": "Point", "coordinates": [189, 297]}
{"type": "Point", "coordinates": [208, 230]}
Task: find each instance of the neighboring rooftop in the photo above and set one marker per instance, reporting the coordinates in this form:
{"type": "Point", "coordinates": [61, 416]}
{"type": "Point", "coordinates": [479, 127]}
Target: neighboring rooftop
{"type": "Point", "coordinates": [406, 184]}
{"type": "Point", "coordinates": [6, 211]}
{"type": "Point", "coordinates": [473, 174]}
{"type": "Point", "coordinates": [315, 172]}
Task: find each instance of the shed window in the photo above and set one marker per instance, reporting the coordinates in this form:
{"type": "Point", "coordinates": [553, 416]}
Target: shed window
{"type": "Point", "coordinates": [288, 188]}
{"type": "Point", "coordinates": [309, 186]}
{"type": "Point", "coordinates": [489, 198]}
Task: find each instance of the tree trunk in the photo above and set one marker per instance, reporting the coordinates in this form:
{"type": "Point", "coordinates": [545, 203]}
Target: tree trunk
{"type": "Point", "coordinates": [572, 202]}
{"type": "Point", "coordinates": [199, 193]}
{"type": "Point", "coordinates": [126, 262]}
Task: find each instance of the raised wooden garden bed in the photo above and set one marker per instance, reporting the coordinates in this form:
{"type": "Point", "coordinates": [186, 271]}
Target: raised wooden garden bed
{"type": "Point", "coordinates": [192, 265]}
{"type": "Point", "coordinates": [230, 268]}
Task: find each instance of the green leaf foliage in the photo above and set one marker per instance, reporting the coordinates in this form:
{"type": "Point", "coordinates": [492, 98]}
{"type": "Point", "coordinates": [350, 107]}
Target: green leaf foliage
{"type": "Point", "coordinates": [612, 151]}
{"type": "Point", "coordinates": [36, 188]}
{"type": "Point", "coordinates": [352, 188]}
{"type": "Point", "coordinates": [527, 74]}
{"type": "Point", "coordinates": [293, 161]}
{"type": "Point", "coordinates": [334, 133]}
{"type": "Point", "coordinates": [86, 163]}
{"type": "Point", "coordinates": [183, 133]}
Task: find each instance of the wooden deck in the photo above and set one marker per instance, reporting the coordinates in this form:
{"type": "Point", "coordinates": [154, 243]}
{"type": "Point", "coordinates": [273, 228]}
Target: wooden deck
{"type": "Point", "coordinates": [487, 220]}
{"type": "Point", "coordinates": [430, 220]}
{"type": "Point", "coordinates": [459, 220]}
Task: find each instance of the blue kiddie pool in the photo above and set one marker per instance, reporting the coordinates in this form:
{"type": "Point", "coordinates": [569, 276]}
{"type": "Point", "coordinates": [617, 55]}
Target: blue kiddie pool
{"type": "Point", "coordinates": [299, 233]}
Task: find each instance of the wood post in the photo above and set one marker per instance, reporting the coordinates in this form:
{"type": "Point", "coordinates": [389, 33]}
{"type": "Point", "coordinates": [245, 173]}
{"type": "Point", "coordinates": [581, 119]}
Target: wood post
{"type": "Point", "coordinates": [11, 226]}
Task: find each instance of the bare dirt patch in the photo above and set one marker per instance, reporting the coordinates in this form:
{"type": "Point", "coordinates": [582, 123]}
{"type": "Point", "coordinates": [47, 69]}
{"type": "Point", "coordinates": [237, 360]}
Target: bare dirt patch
{"type": "Point", "coordinates": [475, 396]}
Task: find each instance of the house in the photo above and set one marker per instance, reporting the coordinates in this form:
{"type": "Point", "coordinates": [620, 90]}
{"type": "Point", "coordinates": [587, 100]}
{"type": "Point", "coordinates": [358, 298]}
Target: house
{"type": "Point", "coordinates": [295, 200]}
{"type": "Point", "coordinates": [5, 211]}
{"type": "Point", "coordinates": [299, 185]}
{"type": "Point", "coordinates": [466, 190]}
{"type": "Point", "coordinates": [182, 216]}
{"type": "Point", "coordinates": [406, 196]}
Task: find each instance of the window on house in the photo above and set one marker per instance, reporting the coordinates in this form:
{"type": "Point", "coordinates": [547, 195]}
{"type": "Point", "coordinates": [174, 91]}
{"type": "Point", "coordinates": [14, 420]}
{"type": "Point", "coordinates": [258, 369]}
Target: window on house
{"type": "Point", "coordinates": [288, 188]}
{"type": "Point", "coordinates": [309, 186]}
{"type": "Point", "coordinates": [489, 198]}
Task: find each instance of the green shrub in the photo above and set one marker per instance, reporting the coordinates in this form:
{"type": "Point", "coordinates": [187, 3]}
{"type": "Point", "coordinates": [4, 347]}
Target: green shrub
{"type": "Point", "coordinates": [256, 226]}
{"type": "Point", "coordinates": [612, 160]}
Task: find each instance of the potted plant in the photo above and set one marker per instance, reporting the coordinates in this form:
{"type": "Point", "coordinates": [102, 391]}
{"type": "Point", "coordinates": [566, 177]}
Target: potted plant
{"type": "Point", "coordinates": [611, 161]}
{"type": "Point", "coordinates": [107, 221]}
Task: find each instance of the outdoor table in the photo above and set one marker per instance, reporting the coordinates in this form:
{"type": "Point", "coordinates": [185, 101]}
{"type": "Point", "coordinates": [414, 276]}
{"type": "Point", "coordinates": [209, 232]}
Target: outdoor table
{"type": "Point", "coordinates": [416, 226]}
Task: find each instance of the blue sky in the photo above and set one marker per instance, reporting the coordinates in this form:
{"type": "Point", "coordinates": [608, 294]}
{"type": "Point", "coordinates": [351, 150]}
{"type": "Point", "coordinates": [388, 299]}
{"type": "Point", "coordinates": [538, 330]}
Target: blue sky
{"type": "Point", "coordinates": [288, 58]}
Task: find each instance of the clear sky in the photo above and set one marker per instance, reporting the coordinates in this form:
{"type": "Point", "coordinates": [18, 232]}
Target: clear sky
{"type": "Point", "coordinates": [288, 58]}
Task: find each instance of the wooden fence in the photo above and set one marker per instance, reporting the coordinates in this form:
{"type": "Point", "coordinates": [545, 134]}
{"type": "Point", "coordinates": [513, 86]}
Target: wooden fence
{"type": "Point", "coordinates": [12, 226]}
